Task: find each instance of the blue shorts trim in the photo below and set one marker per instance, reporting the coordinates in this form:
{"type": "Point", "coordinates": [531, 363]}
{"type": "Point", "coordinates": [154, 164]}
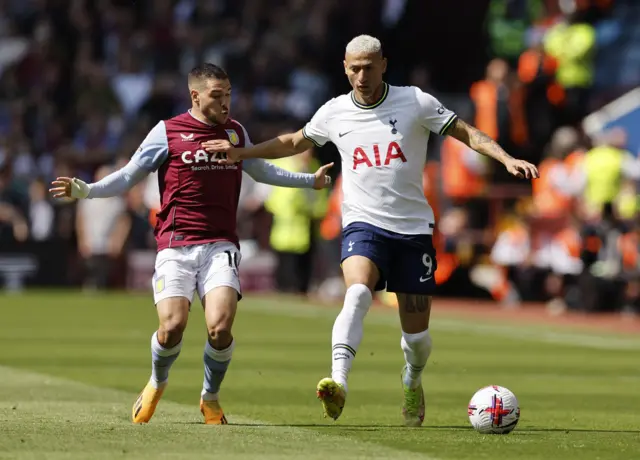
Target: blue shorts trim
{"type": "Point", "coordinates": [407, 263]}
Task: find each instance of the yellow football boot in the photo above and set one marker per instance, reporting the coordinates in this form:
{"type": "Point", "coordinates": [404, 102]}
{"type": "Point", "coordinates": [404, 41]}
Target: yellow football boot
{"type": "Point", "coordinates": [213, 414]}
{"type": "Point", "coordinates": [413, 408]}
{"type": "Point", "coordinates": [333, 397]}
{"type": "Point", "coordinates": [145, 405]}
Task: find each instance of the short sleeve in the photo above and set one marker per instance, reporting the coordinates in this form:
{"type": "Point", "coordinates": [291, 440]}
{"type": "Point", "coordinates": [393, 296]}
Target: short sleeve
{"type": "Point", "coordinates": [154, 149]}
{"type": "Point", "coordinates": [433, 115]}
{"type": "Point", "coordinates": [317, 129]}
{"type": "Point", "coordinates": [247, 140]}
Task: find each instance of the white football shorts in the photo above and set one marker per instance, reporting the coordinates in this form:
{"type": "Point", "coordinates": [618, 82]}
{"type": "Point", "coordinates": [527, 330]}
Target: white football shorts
{"type": "Point", "coordinates": [180, 271]}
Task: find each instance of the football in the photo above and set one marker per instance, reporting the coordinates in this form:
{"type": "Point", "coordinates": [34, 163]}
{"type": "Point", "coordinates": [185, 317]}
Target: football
{"type": "Point", "coordinates": [494, 410]}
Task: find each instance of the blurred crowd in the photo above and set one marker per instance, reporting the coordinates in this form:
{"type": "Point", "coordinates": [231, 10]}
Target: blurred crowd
{"type": "Point", "coordinates": [82, 82]}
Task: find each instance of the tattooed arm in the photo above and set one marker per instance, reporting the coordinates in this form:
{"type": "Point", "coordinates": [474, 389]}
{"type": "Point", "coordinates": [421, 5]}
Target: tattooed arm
{"type": "Point", "coordinates": [477, 140]}
{"type": "Point", "coordinates": [483, 144]}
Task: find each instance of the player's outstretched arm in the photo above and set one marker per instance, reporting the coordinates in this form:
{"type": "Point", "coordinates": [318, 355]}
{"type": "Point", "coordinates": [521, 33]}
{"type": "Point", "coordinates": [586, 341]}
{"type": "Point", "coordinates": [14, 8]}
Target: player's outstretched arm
{"type": "Point", "coordinates": [114, 184]}
{"type": "Point", "coordinates": [483, 144]}
{"type": "Point", "coordinates": [153, 151]}
{"type": "Point", "coordinates": [268, 173]}
{"type": "Point", "coordinates": [285, 145]}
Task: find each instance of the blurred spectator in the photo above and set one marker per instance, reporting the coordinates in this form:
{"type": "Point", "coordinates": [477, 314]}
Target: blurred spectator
{"type": "Point", "coordinates": [102, 233]}
{"type": "Point", "coordinates": [602, 282]}
{"type": "Point", "coordinates": [296, 215]}
{"type": "Point", "coordinates": [604, 169]}
{"type": "Point", "coordinates": [536, 70]}
{"type": "Point", "coordinates": [331, 226]}
{"type": "Point", "coordinates": [513, 252]}
{"type": "Point", "coordinates": [558, 254]}
{"type": "Point", "coordinates": [553, 194]}
{"type": "Point", "coordinates": [507, 24]}
{"type": "Point", "coordinates": [499, 105]}
{"type": "Point", "coordinates": [464, 175]}
{"type": "Point", "coordinates": [94, 92]}
{"type": "Point", "coordinates": [96, 140]}
{"type": "Point", "coordinates": [626, 203]}
{"type": "Point", "coordinates": [131, 84]}
{"type": "Point", "coordinates": [572, 43]}
{"type": "Point", "coordinates": [13, 206]}
{"type": "Point", "coordinates": [491, 101]}
{"type": "Point", "coordinates": [134, 224]}
{"type": "Point", "coordinates": [629, 246]}
{"type": "Point", "coordinates": [41, 213]}
{"type": "Point", "coordinates": [161, 104]}
{"type": "Point", "coordinates": [332, 286]}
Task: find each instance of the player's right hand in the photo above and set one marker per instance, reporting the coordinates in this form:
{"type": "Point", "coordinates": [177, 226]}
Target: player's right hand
{"type": "Point", "coordinates": [224, 146]}
{"type": "Point", "coordinates": [323, 180]}
{"type": "Point", "coordinates": [521, 169]}
{"type": "Point", "coordinates": [69, 187]}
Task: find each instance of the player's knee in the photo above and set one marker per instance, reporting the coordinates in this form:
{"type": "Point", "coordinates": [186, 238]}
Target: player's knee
{"type": "Point", "coordinates": [170, 331]}
{"type": "Point", "coordinates": [358, 296]}
{"type": "Point", "coordinates": [220, 336]}
{"type": "Point", "coordinates": [419, 342]}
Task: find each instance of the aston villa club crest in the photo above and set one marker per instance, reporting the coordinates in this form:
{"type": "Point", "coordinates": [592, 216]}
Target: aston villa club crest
{"type": "Point", "coordinates": [233, 136]}
{"type": "Point", "coordinates": [159, 284]}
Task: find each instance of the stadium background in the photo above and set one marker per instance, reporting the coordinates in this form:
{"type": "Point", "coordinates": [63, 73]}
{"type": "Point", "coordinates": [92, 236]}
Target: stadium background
{"type": "Point", "coordinates": [82, 82]}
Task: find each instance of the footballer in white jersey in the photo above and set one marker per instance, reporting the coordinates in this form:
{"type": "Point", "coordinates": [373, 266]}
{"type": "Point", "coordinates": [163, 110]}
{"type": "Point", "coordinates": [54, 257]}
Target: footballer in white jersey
{"type": "Point", "coordinates": [381, 132]}
{"type": "Point", "coordinates": [383, 147]}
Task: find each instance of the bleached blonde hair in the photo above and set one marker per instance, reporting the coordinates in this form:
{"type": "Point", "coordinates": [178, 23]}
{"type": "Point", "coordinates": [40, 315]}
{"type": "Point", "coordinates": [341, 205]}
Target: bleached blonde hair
{"type": "Point", "coordinates": [364, 44]}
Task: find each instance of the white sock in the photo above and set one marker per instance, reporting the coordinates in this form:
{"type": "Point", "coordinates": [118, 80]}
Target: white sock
{"type": "Point", "coordinates": [416, 348]}
{"type": "Point", "coordinates": [161, 361]}
{"type": "Point", "coordinates": [216, 363]}
{"type": "Point", "coordinates": [347, 331]}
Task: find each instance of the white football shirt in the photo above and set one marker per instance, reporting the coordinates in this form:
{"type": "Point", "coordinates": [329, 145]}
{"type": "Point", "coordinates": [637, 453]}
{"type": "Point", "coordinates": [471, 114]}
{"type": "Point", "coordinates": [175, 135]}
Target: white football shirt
{"type": "Point", "coordinates": [383, 148]}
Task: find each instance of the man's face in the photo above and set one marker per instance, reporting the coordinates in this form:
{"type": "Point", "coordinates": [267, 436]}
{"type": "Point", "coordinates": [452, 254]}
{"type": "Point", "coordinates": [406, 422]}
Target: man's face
{"type": "Point", "coordinates": [365, 71]}
{"type": "Point", "coordinates": [213, 97]}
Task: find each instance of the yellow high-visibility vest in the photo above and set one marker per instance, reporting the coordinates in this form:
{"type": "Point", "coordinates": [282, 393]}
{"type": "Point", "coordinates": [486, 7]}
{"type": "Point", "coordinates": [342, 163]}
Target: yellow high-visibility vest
{"type": "Point", "coordinates": [294, 210]}
{"type": "Point", "coordinates": [572, 46]}
{"type": "Point", "coordinates": [604, 172]}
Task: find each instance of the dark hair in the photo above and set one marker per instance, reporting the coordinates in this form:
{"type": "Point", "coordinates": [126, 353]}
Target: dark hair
{"type": "Point", "coordinates": [207, 71]}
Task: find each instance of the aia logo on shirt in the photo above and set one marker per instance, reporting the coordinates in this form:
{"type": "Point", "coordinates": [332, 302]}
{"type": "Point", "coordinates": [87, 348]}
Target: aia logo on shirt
{"type": "Point", "coordinates": [374, 158]}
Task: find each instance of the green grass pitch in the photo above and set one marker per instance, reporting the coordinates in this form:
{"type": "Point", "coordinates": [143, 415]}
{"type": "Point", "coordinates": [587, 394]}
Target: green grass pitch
{"type": "Point", "coordinates": [71, 366]}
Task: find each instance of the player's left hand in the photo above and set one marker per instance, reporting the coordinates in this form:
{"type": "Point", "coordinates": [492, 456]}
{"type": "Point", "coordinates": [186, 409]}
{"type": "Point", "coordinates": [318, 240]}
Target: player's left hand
{"type": "Point", "coordinates": [69, 187]}
{"type": "Point", "coordinates": [521, 168]}
{"type": "Point", "coordinates": [322, 179]}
